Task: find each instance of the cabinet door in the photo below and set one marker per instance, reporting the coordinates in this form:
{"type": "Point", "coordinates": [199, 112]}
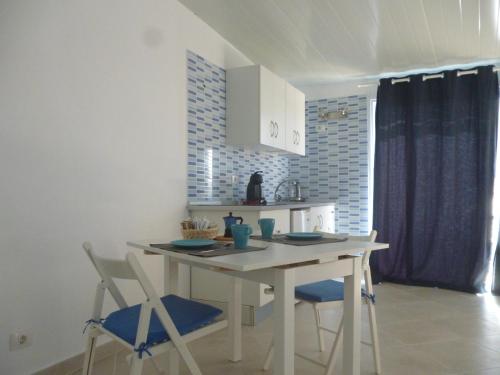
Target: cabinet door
{"type": "Point", "coordinates": [295, 120]}
{"type": "Point", "coordinates": [328, 217]}
{"type": "Point", "coordinates": [300, 122]}
{"type": "Point", "coordinates": [315, 219]}
{"type": "Point", "coordinates": [279, 112]}
{"type": "Point", "coordinates": [323, 218]}
{"type": "Point", "coordinates": [267, 121]}
{"type": "Point", "coordinates": [272, 109]}
{"type": "Point", "coordinates": [291, 118]}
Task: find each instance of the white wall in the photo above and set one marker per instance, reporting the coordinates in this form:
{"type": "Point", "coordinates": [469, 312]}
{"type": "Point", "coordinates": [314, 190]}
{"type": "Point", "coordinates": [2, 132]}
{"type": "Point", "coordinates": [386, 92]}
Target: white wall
{"type": "Point", "coordinates": [92, 146]}
{"type": "Point", "coordinates": [340, 89]}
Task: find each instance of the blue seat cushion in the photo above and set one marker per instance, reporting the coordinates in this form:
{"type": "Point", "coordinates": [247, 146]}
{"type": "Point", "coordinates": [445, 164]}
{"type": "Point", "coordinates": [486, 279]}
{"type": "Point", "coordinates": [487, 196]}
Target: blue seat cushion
{"type": "Point", "coordinates": [187, 316]}
{"type": "Point", "coordinates": [321, 291]}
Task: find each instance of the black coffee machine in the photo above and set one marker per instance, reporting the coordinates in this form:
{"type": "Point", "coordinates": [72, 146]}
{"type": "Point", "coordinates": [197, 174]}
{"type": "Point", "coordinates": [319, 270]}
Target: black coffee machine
{"type": "Point", "coordinates": [254, 189]}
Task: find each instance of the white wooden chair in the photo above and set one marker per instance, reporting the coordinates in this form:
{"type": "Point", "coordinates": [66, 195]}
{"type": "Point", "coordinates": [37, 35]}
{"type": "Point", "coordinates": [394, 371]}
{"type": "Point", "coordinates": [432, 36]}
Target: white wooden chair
{"type": "Point", "coordinates": [153, 327]}
{"type": "Point", "coordinates": [329, 294]}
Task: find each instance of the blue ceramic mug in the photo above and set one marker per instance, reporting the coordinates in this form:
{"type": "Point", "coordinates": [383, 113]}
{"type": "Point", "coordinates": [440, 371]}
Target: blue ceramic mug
{"type": "Point", "coordinates": [241, 232]}
{"type": "Point", "coordinates": [266, 228]}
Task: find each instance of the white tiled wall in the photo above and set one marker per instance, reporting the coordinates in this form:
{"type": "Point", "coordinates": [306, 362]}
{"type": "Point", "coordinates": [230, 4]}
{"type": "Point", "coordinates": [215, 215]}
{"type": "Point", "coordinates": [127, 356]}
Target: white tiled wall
{"type": "Point", "coordinates": [336, 161]}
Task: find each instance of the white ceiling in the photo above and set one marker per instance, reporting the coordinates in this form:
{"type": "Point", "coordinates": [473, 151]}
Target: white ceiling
{"type": "Point", "coordinates": [320, 41]}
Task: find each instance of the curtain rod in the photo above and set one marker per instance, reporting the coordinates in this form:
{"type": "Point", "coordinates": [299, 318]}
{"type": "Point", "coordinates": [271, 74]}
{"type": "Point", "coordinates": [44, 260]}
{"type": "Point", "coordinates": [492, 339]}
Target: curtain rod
{"type": "Point", "coordinates": [460, 73]}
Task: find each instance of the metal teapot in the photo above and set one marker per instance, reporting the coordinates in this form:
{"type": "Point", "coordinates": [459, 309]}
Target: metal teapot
{"type": "Point", "coordinates": [230, 220]}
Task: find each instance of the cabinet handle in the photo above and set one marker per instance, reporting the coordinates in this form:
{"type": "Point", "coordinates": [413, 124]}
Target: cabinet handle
{"type": "Point", "coordinates": [294, 137]}
{"type": "Point", "coordinates": [277, 130]}
{"type": "Point", "coordinates": [298, 137]}
{"type": "Point", "coordinates": [271, 128]}
{"type": "Point", "coordinates": [321, 221]}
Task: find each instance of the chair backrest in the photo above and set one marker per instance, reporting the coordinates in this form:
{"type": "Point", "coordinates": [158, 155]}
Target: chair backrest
{"type": "Point", "coordinates": [369, 238]}
{"type": "Point", "coordinates": [109, 269]}
{"type": "Point", "coordinates": [130, 269]}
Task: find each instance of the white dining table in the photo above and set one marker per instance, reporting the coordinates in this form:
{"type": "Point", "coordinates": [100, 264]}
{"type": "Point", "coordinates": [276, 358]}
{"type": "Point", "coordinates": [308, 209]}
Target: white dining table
{"type": "Point", "coordinates": [283, 267]}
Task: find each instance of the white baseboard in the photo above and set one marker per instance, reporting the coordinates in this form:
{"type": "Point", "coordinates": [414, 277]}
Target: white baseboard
{"type": "Point", "coordinates": [73, 364]}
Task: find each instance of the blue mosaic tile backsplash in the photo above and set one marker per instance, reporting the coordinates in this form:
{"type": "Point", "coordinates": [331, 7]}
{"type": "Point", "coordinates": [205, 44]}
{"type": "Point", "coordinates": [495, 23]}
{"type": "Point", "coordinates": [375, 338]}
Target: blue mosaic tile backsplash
{"type": "Point", "coordinates": [335, 166]}
{"type": "Point", "coordinates": [336, 162]}
{"type": "Point", "coordinates": [211, 163]}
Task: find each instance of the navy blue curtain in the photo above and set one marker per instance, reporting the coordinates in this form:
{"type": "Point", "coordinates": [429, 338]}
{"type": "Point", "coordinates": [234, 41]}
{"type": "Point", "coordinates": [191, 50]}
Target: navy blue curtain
{"type": "Point", "coordinates": [435, 145]}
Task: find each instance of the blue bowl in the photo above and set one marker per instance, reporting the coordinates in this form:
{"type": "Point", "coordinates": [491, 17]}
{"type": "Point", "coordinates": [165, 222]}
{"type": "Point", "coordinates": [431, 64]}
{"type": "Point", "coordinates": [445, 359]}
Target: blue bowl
{"type": "Point", "coordinates": [304, 236]}
{"type": "Point", "coordinates": [193, 244]}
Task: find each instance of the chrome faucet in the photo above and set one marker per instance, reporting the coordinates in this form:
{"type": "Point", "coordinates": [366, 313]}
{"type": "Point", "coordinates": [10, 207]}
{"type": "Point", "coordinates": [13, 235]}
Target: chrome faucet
{"type": "Point", "coordinates": [278, 197]}
{"type": "Point", "coordinates": [296, 195]}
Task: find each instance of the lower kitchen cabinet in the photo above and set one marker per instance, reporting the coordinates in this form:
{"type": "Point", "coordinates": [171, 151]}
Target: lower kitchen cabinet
{"type": "Point", "coordinates": [323, 218]}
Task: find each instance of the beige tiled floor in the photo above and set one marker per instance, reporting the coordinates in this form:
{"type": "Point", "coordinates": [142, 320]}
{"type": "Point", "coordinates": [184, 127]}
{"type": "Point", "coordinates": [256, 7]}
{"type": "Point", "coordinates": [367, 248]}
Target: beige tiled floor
{"type": "Point", "coordinates": [423, 331]}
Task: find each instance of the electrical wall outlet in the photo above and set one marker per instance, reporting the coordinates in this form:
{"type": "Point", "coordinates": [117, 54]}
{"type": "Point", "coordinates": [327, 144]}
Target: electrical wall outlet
{"type": "Point", "coordinates": [234, 179]}
{"type": "Point", "coordinates": [20, 340]}
{"type": "Point", "coordinates": [321, 128]}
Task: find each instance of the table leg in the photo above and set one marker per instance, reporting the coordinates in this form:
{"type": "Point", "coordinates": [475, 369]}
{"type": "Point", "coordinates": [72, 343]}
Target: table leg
{"type": "Point", "coordinates": [352, 318]}
{"type": "Point", "coordinates": [284, 321]}
{"type": "Point", "coordinates": [171, 280]}
{"type": "Point", "coordinates": [234, 317]}
{"type": "Point", "coordinates": [171, 275]}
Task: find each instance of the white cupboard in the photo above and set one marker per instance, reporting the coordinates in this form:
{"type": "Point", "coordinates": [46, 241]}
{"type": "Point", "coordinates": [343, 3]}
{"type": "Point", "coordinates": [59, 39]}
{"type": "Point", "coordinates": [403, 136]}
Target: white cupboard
{"type": "Point", "coordinates": [323, 218]}
{"type": "Point", "coordinates": [258, 112]}
{"type": "Point", "coordinates": [272, 104]}
{"type": "Point", "coordinates": [295, 120]}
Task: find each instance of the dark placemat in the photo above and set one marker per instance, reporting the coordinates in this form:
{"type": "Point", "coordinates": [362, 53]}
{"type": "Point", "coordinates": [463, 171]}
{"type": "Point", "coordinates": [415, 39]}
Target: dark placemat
{"type": "Point", "coordinates": [216, 250]}
{"type": "Point", "coordinates": [281, 238]}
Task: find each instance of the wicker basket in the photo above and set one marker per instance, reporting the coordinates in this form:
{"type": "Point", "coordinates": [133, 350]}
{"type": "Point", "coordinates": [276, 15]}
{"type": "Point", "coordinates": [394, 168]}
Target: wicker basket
{"type": "Point", "coordinates": [209, 233]}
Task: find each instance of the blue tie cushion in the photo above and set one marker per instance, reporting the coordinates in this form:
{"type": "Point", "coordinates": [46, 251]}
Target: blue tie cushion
{"type": "Point", "coordinates": [187, 316]}
{"type": "Point", "coordinates": [321, 291]}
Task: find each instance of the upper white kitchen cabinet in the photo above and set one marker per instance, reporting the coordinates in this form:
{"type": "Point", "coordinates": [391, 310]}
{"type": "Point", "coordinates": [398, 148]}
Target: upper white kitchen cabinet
{"type": "Point", "coordinates": [295, 120]}
{"type": "Point", "coordinates": [257, 110]}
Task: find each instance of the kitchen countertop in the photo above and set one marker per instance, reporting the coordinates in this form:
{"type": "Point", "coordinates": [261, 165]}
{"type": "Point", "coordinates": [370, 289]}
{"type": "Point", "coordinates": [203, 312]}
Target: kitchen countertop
{"type": "Point", "coordinates": [236, 206]}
